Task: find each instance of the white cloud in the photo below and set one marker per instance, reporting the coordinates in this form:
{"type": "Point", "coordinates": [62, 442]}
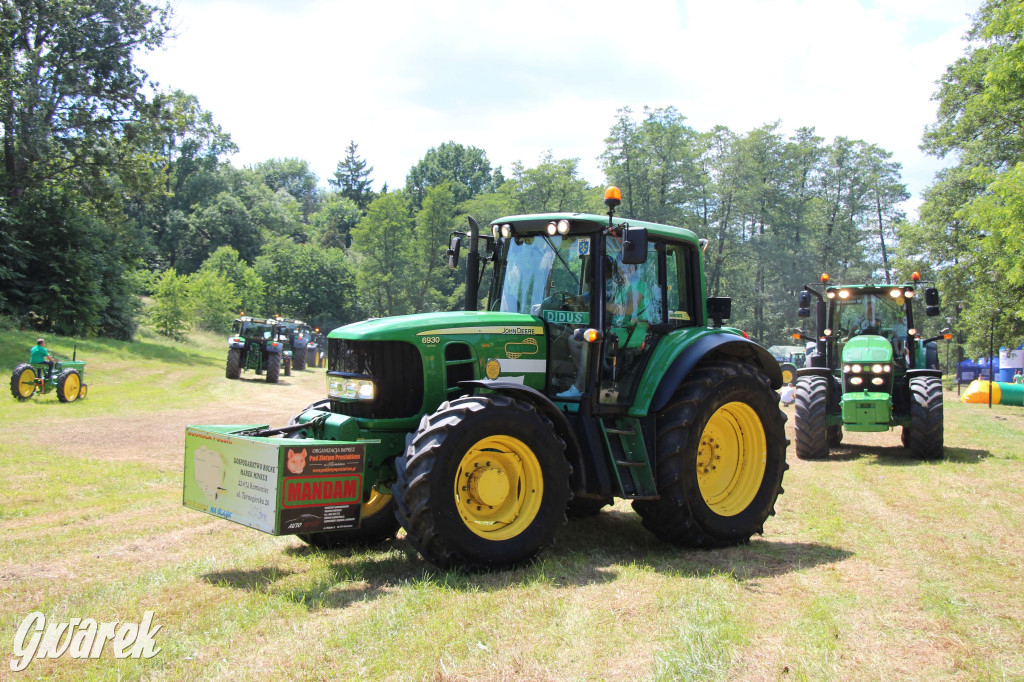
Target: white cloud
{"type": "Point", "coordinates": [515, 79]}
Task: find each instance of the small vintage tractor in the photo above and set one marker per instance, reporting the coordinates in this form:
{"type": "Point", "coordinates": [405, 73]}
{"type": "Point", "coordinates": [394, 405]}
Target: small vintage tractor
{"type": "Point", "coordinates": [871, 370]}
{"type": "Point", "coordinates": [67, 379]}
{"type": "Point", "coordinates": [598, 369]}
{"type": "Point", "coordinates": [254, 345]}
{"type": "Point", "coordinates": [296, 335]}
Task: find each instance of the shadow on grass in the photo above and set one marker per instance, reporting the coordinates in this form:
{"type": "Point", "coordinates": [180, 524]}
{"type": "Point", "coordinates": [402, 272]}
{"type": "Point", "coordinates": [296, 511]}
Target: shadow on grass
{"type": "Point", "coordinates": [258, 580]}
{"type": "Point", "coordinates": [900, 457]}
{"type": "Point", "coordinates": [588, 551]}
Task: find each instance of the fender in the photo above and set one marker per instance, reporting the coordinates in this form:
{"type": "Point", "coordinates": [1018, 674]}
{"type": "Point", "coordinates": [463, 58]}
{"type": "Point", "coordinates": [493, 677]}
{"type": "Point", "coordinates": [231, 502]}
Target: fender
{"type": "Point", "coordinates": [713, 345]}
{"type": "Point", "coordinates": [548, 409]}
{"type": "Point", "coordinates": [911, 373]}
{"type": "Point", "coordinates": [814, 371]}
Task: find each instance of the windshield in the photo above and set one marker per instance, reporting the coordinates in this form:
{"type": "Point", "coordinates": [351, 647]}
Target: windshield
{"type": "Point", "coordinates": [540, 268]}
{"type": "Point", "coordinates": [871, 314]}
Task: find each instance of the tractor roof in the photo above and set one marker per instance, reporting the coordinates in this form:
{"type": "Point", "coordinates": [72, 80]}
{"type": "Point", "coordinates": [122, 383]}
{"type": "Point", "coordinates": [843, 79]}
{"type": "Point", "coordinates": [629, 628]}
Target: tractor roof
{"type": "Point", "coordinates": [589, 223]}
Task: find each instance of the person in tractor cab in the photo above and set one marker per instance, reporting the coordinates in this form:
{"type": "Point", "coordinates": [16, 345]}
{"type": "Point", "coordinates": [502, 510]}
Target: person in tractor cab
{"type": "Point", "coordinates": [40, 355]}
{"type": "Point", "coordinates": [627, 302]}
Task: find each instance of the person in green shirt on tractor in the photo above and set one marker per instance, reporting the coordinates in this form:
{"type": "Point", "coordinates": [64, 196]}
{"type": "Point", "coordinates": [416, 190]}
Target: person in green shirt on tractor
{"type": "Point", "coordinates": [40, 355]}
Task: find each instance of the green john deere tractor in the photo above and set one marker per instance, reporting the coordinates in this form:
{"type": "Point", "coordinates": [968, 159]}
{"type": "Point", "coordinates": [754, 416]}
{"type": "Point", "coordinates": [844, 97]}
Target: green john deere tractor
{"type": "Point", "coordinates": [67, 379]}
{"type": "Point", "coordinates": [599, 369]}
{"type": "Point", "coordinates": [254, 344]}
{"type": "Point", "coordinates": [871, 370]}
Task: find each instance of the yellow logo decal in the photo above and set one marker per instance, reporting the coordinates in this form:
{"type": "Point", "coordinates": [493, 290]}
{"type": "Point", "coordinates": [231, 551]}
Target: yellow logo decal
{"type": "Point", "coordinates": [525, 347]}
{"type": "Point", "coordinates": [493, 369]}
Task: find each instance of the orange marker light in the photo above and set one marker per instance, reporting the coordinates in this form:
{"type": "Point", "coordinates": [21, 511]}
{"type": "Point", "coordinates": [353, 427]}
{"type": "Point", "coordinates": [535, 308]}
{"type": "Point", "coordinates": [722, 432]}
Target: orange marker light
{"type": "Point", "coordinates": [590, 336]}
{"type": "Point", "coordinates": [824, 277]}
{"type": "Point", "coordinates": [916, 277]}
{"type": "Point", "coordinates": [796, 335]}
{"type": "Point", "coordinates": [612, 197]}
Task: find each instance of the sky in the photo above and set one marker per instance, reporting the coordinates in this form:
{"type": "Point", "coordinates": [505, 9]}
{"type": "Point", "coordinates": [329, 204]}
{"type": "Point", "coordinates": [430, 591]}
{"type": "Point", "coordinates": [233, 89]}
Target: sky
{"type": "Point", "coordinates": [303, 78]}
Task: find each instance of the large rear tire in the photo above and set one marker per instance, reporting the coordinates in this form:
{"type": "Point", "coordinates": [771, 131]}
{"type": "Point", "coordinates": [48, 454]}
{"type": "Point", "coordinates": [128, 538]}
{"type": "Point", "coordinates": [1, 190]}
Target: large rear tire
{"type": "Point", "coordinates": [69, 385]}
{"type": "Point", "coordinates": [925, 432]}
{"type": "Point", "coordinates": [721, 455]}
{"type": "Point", "coordinates": [23, 381]}
{"type": "Point", "coordinates": [299, 360]}
{"type": "Point", "coordinates": [812, 436]}
{"type": "Point", "coordinates": [378, 524]}
{"type": "Point", "coordinates": [233, 370]}
{"type": "Point", "coordinates": [483, 484]}
{"type": "Point", "coordinates": [273, 367]}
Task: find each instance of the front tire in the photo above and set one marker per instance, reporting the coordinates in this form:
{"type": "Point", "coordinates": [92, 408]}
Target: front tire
{"type": "Point", "coordinates": [273, 367]}
{"type": "Point", "coordinates": [287, 367]}
{"type": "Point", "coordinates": [233, 369]}
{"type": "Point", "coordinates": [812, 435]}
{"type": "Point", "coordinates": [23, 381]}
{"type": "Point", "coordinates": [925, 432]}
{"type": "Point", "coordinates": [299, 360]}
{"type": "Point", "coordinates": [69, 386]}
{"type": "Point", "coordinates": [483, 483]}
{"type": "Point", "coordinates": [378, 524]}
{"type": "Point", "coordinates": [721, 454]}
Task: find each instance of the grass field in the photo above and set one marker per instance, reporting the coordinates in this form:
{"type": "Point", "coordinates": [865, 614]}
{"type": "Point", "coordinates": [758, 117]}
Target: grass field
{"type": "Point", "coordinates": [875, 567]}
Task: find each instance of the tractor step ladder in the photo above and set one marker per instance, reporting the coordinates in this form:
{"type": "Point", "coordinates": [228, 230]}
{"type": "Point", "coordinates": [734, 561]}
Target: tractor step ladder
{"type": "Point", "coordinates": [624, 443]}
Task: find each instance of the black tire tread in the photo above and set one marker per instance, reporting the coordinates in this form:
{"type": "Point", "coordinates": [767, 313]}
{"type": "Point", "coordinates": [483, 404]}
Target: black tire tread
{"type": "Point", "coordinates": [273, 367]}
{"type": "Point", "coordinates": [62, 380]}
{"type": "Point", "coordinates": [420, 515]}
{"type": "Point", "coordinates": [926, 420]}
{"type": "Point", "coordinates": [16, 380]}
{"type": "Point", "coordinates": [811, 433]}
{"type": "Point", "coordinates": [233, 369]}
{"type": "Point", "coordinates": [675, 517]}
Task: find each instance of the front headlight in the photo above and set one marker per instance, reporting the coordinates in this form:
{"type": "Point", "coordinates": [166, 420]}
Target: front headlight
{"type": "Point", "coordinates": [351, 389]}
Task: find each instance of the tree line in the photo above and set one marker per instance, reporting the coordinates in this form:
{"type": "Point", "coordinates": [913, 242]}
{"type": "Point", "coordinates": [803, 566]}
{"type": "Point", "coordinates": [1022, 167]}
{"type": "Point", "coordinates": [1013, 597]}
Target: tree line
{"type": "Point", "coordinates": [113, 193]}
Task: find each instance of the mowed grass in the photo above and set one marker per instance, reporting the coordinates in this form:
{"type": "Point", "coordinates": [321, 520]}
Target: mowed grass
{"type": "Point", "coordinates": [875, 566]}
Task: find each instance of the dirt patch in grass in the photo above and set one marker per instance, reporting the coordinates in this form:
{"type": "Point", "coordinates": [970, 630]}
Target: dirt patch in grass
{"type": "Point", "coordinates": [158, 437]}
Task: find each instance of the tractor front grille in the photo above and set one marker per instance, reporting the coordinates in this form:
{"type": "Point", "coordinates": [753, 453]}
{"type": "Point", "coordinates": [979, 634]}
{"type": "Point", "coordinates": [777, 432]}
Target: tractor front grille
{"type": "Point", "coordinates": [397, 371]}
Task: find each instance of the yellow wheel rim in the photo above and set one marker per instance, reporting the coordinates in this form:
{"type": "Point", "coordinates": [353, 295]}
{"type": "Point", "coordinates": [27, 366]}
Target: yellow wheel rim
{"type": "Point", "coordinates": [376, 503]}
{"type": "Point", "coordinates": [499, 487]}
{"type": "Point", "coordinates": [731, 459]}
{"type": "Point", "coordinates": [72, 385]}
{"type": "Point", "coordinates": [787, 376]}
{"type": "Point", "coordinates": [27, 382]}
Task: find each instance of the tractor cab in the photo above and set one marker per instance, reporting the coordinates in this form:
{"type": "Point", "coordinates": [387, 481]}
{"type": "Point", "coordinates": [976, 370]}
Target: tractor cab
{"type": "Point", "coordinates": [627, 286]}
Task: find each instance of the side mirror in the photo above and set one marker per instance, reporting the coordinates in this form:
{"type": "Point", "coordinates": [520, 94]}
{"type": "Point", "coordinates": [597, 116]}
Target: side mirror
{"type": "Point", "coordinates": [453, 252]}
{"type": "Point", "coordinates": [634, 245]}
{"type": "Point", "coordinates": [719, 308]}
{"type": "Point", "coordinates": [931, 311]}
{"type": "Point", "coordinates": [803, 312]}
{"type": "Point", "coordinates": [931, 296]}
{"type": "Point", "coordinates": [805, 301]}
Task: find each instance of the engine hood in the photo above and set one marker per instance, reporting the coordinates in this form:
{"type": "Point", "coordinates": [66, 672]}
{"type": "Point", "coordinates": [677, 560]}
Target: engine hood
{"type": "Point", "coordinates": [407, 326]}
{"type": "Point", "coordinates": [867, 348]}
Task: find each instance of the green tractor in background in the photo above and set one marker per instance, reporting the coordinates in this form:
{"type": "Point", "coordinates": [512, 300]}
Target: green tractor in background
{"type": "Point", "coordinates": [255, 344]}
{"type": "Point", "coordinates": [871, 370]}
{"type": "Point", "coordinates": [599, 369]}
{"type": "Point", "coordinates": [296, 335]}
{"type": "Point", "coordinates": [316, 353]}
{"type": "Point", "coordinates": [790, 358]}
{"type": "Point", "coordinates": [67, 379]}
